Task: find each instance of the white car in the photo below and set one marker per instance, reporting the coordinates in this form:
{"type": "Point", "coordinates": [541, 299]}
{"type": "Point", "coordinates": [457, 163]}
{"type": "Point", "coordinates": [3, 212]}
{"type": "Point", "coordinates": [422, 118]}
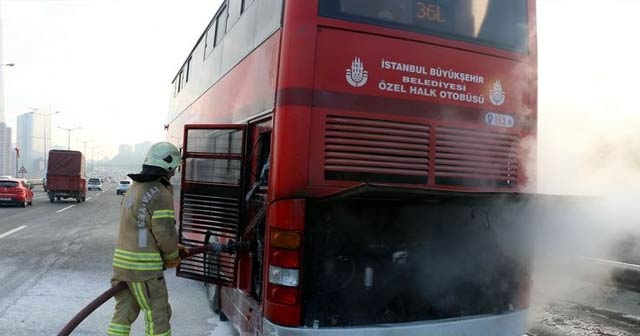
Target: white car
{"type": "Point", "coordinates": [94, 183]}
{"type": "Point", "coordinates": [123, 186]}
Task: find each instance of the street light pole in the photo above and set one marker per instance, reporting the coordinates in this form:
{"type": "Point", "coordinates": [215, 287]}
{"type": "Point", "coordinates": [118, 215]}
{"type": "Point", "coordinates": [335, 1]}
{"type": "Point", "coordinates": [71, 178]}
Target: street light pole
{"type": "Point", "coordinates": [85, 142]}
{"type": "Point", "coordinates": [44, 147]}
{"type": "Point", "coordinates": [84, 150]}
{"type": "Point", "coordinates": [92, 166]}
{"type": "Point", "coordinates": [69, 130]}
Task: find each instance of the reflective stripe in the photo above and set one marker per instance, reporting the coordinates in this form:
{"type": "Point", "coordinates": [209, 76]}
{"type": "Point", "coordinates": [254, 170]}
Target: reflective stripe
{"type": "Point", "coordinates": [116, 329]}
{"type": "Point", "coordinates": [138, 293]}
{"type": "Point", "coordinates": [173, 255]}
{"type": "Point", "coordinates": [141, 261]}
{"type": "Point", "coordinates": [163, 214]}
{"type": "Point", "coordinates": [144, 304]}
{"type": "Point", "coordinates": [137, 266]}
{"type": "Point", "coordinates": [140, 256]}
{"type": "Point", "coordinates": [167, 333]}
{"type": "Point", "coordinates": [119, 327]}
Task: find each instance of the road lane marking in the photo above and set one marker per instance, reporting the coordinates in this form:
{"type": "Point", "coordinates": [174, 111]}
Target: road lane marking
{"type": "Point", "coordinates": [88, 199]}
{"type": "Point", "coordinates": [40, 197]}
{"type": "Point", "coordinates": [12, 231]}
{"type": "Point", "coordinates": [69, 207]}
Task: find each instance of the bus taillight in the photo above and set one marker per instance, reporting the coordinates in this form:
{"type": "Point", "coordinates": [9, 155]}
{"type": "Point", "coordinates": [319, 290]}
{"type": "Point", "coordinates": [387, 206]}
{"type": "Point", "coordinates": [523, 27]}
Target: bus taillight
{"type": "Point", "coordinates": [285, 239]}
{"type": "Point", "coordinates": [284, 275]}
{"type": "Point", "coordinates": [282, 294]}
{"type": "Point", "coordinates": [287, 259]}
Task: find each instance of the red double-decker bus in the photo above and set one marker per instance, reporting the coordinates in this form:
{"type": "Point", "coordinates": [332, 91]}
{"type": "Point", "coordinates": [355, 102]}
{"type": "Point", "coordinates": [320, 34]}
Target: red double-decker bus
{"type": "Point", "coordinates": [368, 156]}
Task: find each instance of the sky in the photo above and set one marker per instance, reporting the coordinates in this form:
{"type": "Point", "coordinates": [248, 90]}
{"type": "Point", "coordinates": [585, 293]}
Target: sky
{"type": "Point", "coordinates": [106, 65]}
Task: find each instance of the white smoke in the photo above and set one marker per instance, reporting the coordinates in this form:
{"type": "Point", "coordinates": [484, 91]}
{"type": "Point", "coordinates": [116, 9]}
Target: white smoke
{"type": "Point", "coordinates": [588, 144]}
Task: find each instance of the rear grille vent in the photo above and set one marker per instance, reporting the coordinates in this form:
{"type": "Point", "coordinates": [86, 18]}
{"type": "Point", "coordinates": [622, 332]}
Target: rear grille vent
{"type": "Point", "coordinates": [474, 158]}
{"type": "Point", "coordinates": [376, 151]}
{"type": "Point", "coordinates": [202, 214]}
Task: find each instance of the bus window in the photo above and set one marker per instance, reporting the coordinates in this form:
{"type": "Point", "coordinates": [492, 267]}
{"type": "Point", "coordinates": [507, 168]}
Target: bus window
{"type": "Point", "coordinates": [186, 77]}
{"type": "Point", "coordinates": [210, 40]}
{"type": "Point", "coordinates": [387, 10]}
{"type": "Point", "coordinates": [257, 202]}
{"type": "Point", "coordinates": [246, 4]}
{"type": "Point", "coordinates": [495, 23]}
{"type": "Point", "coordinates": [221, 25]}
{"type": "Point", "coordinates": [213, 170]}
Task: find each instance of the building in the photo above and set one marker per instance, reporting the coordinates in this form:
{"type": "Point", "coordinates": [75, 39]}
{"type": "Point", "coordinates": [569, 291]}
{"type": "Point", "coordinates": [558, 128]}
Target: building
{"type": "Point", "coordinates": [142, 148]}
{"type": "Point", "coordinates": [6, 151]}
{"type": "Point", "coordinates": [34, 139]}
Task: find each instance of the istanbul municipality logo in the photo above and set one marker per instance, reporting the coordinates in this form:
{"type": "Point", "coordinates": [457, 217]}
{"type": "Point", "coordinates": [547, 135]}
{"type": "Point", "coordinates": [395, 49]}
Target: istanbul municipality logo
{"type": "Point", "coordinates": [497, 95]}
{"type": "Point", "coordinates": [357, 76]}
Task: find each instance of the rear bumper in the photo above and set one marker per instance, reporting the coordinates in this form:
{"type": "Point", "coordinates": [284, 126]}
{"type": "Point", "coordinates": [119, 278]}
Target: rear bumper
{"type": "Point", "coordinates": [64, 193]}
{"type": "Point", "coordinates": [511, 324]}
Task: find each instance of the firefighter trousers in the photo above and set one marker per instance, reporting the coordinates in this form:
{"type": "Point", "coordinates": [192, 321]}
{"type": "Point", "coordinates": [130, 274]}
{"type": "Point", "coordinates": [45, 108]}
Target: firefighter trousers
{"type": "Point", "coordinates": [149, 296]}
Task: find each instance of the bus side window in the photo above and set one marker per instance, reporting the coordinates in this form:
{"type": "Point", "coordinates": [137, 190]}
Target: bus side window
{"type": "Point", "coordinates": [265, 157]}
{"type": "Point", "coordinates": [257, 199]}
{"type": "Point", "coordinates": [261, 170]}
{"type": "Point", "coordinates": [264, 174]}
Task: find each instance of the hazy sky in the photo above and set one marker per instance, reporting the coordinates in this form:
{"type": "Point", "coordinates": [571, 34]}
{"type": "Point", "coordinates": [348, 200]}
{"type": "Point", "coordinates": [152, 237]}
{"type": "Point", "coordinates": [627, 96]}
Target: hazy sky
{"type": "Point", "coordinates": [107, 66]}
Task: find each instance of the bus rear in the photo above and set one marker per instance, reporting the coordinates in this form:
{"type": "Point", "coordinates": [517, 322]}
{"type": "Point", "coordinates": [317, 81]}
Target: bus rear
{"type": "Point", "coordinates": [419, 131]}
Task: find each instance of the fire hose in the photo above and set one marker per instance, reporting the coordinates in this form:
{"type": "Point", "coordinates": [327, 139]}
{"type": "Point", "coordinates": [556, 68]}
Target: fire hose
{"type": "Point", "coordinates": [214, 248]}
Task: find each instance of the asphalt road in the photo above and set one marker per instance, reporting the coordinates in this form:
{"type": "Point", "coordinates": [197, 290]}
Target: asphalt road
{"type": "Point", "coordinates": [56, 258]}
{"type": "Point", "coordinates": [573, 298]}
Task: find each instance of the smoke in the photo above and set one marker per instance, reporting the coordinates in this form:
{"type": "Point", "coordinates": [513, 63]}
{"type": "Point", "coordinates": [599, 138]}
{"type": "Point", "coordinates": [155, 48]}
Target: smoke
{"type": "Point", "coordinates": [589, 149]}
{"type": "Point", "coordinates": [588, 142]}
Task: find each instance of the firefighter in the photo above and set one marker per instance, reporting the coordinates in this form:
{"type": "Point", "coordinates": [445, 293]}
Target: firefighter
{"type": "Point", "coordinates": [147, 245]}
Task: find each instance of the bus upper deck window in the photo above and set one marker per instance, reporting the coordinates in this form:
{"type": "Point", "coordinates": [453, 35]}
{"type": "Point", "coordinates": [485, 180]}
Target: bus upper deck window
{"type": "Point", "coordinates": [388, 10]}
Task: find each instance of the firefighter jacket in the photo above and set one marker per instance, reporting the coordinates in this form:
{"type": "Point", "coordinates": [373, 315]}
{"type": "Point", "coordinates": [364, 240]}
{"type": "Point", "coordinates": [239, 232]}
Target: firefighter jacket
{"type": "Point", "coordinates": [146, 235]}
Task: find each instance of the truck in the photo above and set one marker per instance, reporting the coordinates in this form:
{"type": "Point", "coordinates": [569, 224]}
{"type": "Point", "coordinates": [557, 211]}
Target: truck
{"type": "Point", "coordinates": [66, 176]}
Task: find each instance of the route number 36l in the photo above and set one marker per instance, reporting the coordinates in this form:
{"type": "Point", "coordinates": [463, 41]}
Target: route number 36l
{"type": "Point", "coordinates": [431, 12]}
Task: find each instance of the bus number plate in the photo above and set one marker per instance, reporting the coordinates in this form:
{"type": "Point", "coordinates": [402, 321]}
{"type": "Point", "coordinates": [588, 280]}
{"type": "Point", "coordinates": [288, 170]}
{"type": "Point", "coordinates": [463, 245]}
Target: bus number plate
{"type": "Point", "coordinates": [500, 120]}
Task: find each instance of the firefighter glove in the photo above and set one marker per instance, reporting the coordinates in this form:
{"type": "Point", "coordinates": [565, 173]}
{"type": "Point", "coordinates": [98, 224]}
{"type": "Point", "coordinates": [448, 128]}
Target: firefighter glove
{"type": "Point", "coordinates": [173, 263]}
{"type": "Point", "coordinates": [183, 251]}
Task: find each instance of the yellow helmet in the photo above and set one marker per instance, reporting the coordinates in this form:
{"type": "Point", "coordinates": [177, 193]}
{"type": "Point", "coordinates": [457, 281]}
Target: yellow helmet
{"type": "Point", "coordinates": [164, 155]}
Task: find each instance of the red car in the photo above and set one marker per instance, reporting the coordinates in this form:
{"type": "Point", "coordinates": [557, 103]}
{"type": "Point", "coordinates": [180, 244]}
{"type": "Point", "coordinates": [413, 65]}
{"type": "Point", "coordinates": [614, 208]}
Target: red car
{"type": "Point", "coordinates": [15, 191]}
